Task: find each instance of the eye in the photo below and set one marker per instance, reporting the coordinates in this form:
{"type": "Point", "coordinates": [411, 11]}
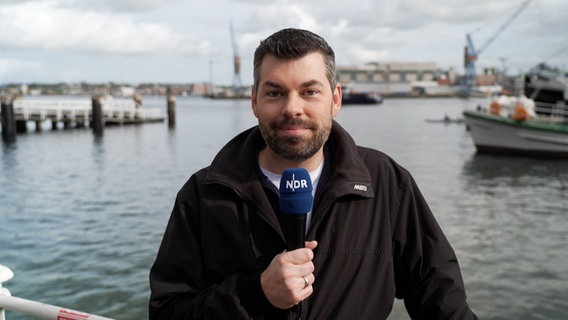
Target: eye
{"type": "Point", "coordinates": [273, 94]}
{"type": "Point", "coordinates": [311, 92]}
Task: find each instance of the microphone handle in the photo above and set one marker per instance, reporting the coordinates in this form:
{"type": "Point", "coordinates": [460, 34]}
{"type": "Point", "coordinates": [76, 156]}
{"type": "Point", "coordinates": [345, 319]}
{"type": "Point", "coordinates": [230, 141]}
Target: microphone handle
{"type": "Point", "coordinates": [295, 231]}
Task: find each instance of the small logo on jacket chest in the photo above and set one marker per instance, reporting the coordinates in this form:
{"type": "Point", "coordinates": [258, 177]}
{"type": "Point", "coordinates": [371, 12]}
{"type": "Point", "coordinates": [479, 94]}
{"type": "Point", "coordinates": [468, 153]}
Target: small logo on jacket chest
{"type": "Point", "coordinates": [360, 187]}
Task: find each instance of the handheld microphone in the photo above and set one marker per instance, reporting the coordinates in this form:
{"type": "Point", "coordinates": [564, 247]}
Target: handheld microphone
{"type": "Point", "coordinates": [295, 202]}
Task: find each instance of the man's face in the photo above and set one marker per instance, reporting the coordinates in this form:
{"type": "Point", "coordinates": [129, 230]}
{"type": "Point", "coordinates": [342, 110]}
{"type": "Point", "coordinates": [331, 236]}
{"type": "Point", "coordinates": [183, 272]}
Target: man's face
{"type": "Point", "coordinates": [295, 105]}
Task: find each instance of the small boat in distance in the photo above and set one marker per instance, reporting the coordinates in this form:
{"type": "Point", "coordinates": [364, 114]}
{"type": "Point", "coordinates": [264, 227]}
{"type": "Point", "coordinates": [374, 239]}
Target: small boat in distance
{"type": "Point", "coordinates": [512, 126]}
{"type": "Point", "coordinates": [350, 96]}
{"type": "Point", "coordinates": [445, 120]}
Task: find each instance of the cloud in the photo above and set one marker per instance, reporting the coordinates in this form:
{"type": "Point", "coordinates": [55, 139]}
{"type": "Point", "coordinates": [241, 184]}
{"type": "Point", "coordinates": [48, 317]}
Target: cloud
{"type": "Point", "coordinates": [45, 25]}
{"type": "Point", "coordinates": [157, 35]}
{"type": "Point", "coordinates": [119, 6]}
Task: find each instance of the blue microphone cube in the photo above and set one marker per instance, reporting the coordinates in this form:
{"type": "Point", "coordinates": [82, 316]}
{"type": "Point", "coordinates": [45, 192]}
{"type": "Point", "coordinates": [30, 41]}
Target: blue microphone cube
{"type": "Point", "coordinates": [295, 191]}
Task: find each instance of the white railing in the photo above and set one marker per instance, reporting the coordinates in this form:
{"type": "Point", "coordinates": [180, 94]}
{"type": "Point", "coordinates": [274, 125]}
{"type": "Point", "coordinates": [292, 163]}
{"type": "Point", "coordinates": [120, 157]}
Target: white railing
{"type": "Point", "coordinates": [552, 112]}
{"type": "Point", "coordinates": [40, 110]}
{"type": "Point", "coordinates": [36, 309]}
{"type": "Point", "coordinates": [81, 110]}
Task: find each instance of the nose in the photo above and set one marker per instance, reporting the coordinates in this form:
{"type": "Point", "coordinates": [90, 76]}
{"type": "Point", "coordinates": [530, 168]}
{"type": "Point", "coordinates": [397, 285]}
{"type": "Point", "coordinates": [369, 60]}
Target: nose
{"type": "Point", "coordinates": [293, 106]}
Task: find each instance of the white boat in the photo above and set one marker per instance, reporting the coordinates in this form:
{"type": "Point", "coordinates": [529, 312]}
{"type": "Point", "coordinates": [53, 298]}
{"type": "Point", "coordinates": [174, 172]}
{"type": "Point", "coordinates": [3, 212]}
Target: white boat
{"type": "Point", "coordinates": [500, 129]}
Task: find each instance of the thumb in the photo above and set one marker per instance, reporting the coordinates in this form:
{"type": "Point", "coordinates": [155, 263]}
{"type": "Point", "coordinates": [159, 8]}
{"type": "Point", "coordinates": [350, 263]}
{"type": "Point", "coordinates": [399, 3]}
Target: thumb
{"type": "Point", "coordinates": [311, 244]}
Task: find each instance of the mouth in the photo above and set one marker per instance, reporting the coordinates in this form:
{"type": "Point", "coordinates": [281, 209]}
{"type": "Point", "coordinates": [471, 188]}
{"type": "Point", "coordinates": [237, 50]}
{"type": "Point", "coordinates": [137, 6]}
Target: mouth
{"type": "Point", "coordinates": [293, 130]}
{"type": "Point", "coordinates": [293, 126]}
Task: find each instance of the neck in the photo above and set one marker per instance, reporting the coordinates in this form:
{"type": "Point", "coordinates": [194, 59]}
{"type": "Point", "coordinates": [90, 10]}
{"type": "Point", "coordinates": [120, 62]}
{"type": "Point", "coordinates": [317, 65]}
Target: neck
{"type": "Point", "coordinates": [272, 162]}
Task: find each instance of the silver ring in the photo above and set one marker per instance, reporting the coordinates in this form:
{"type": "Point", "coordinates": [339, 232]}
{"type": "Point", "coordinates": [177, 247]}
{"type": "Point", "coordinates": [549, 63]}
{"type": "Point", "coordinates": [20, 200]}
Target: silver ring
{"type": "Point", "coordinates": [306, 282]}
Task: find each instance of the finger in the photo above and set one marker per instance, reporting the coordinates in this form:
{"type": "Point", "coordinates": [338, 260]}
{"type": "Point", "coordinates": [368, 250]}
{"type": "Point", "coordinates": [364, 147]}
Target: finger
{"type": "Point", "coordinates": [306, 288]}
{"type": "Point", "coordinates": [299, 256]}
{"type": "Point", "coordinates": [311, 244]}
{"type": "Point", "coordinates": [306, 283]}
{"type": "Point", "coordinates": [311, 279]}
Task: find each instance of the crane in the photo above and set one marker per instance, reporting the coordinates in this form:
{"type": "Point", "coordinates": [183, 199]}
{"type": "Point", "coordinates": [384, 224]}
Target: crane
{"type": "Point", "coordinates": [237, 83]}
{"type": "Point", "coordinates": [471, 55]}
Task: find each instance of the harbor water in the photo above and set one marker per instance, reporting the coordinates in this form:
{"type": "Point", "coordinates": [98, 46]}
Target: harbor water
{"type": "Point", "coordinates": [81, 217]}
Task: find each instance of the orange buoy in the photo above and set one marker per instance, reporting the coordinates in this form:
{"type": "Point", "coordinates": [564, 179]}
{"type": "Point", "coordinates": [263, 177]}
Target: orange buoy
{"type": "Point", "coordinates": [520, 113]}
{"type": "Point", "coordinates": [494, 108]}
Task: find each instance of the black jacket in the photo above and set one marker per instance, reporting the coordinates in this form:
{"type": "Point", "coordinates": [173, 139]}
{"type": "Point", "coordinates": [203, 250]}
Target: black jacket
{"type": "Point", "coordinates": [377, 240]}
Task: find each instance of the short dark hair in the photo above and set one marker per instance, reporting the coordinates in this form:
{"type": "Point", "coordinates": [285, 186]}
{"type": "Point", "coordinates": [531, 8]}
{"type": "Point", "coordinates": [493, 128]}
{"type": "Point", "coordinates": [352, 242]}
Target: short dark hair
{"type": "Point", "coordinates": [294, 43]}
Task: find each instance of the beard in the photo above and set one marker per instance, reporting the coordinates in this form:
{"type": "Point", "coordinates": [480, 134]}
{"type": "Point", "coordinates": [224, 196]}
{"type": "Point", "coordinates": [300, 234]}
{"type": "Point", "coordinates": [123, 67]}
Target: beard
{"type": "Point", "coordinates": [295, 148]}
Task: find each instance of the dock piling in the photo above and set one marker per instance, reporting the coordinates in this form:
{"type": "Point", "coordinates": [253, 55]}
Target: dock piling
{"type": "Point", "coordinates": [171, 99]}
{"type": "Point", "coordinates": [21, 126]}
{"type": "Point", "coordinates": [8, 120]}
{"type": "Point", "coordinates": [98, 122]}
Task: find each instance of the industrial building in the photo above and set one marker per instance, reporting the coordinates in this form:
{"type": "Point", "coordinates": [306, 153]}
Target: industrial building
{"type": "Point", "coordinates": [397, 78]}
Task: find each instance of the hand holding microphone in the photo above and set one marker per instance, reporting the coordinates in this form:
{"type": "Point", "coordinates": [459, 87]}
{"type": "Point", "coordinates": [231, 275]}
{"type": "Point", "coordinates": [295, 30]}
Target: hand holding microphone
{"type": "Point", "coordinates": [289, 277]}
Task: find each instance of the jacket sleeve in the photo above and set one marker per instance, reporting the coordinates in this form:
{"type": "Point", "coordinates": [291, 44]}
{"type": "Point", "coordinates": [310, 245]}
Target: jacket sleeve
{"type": "Point", "coordinates": [427, 273]}
{"type": "Point", "coordinates": [180, 289]}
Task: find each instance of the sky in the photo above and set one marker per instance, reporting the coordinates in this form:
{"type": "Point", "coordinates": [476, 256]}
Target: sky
{"type": "Point", "coordinates": [190, 41]}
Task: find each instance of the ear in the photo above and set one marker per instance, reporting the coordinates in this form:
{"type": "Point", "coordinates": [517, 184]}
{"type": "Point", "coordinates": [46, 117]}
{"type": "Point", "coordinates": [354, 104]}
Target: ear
{"type": "Point", "coordinates": [336, 102]}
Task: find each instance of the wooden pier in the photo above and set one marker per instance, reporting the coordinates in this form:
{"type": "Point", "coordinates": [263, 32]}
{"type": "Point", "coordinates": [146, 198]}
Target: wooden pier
{"type": "Point", "coordinates": [79, 112]}
{"type": "Point", "coordinates": [97, 113]}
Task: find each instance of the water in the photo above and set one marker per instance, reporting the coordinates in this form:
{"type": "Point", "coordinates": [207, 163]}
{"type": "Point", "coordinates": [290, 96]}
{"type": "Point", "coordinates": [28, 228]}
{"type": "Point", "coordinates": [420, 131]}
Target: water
{"type": "Point", "coordinates": [82, 217]}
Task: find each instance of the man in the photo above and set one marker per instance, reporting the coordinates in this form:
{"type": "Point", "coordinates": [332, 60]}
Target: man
{"type": "Point", "coordinates": [373, 237]}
